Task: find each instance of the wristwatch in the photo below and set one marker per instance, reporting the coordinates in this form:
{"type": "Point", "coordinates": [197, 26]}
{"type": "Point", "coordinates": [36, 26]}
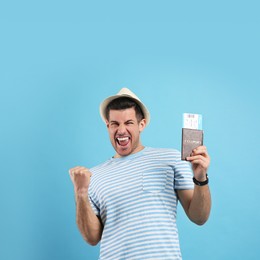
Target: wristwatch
{"type": "Point", "coordinates": [201, 183]}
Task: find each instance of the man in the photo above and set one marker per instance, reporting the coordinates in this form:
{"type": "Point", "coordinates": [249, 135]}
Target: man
{"type": "Point", "coordinates": [129, 202]}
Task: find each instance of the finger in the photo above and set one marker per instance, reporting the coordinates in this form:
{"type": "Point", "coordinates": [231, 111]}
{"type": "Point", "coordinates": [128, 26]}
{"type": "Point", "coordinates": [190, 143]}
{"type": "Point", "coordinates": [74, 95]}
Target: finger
{"type": "Point", "coordinates": [82, 171]}
{"type": "Point", "coordinates": [78, 169]}
{"type": "Point", "coordinates": [197, 158]}
{"type": "Point", "coordinates": [201, 150]}
{"type": "Point", "coordinates": [71, 173]}
{"type": "Point", "coordinates": [72, 170]}
{"type": "Point", "coordinates": [200, 163]}
{"type": "Point", "coordinates": [75, 171]}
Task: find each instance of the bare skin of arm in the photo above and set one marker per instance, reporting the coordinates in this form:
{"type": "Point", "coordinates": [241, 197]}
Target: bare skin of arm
{"type": "Point", "coordinates": [88, 223]}
{"type": "Point", "coordinates": [197, 202]}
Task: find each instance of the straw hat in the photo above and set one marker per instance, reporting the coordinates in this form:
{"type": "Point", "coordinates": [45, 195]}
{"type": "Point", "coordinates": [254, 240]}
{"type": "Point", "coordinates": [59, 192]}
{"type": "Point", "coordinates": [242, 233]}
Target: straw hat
{"type": "Point", "coordinates": [124, 92]}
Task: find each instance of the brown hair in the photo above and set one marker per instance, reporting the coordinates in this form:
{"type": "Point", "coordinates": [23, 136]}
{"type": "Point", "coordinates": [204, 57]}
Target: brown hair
{"type": "Point", "coordinates": [124, 103]}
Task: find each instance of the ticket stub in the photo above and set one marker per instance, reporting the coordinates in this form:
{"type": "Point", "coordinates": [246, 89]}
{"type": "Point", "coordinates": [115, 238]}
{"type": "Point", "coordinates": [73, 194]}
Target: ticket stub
{"type": "Point", "coordinates": [192, 121]}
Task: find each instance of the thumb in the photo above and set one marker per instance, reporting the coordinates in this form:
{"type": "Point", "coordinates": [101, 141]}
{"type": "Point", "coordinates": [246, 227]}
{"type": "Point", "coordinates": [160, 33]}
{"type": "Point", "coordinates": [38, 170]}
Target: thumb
{"type": "Point", "coordinates": [71, 176]}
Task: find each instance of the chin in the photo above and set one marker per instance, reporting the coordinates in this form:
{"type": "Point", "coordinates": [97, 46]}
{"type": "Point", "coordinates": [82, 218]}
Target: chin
{"type": "Point", "coordinates": [123, 153]}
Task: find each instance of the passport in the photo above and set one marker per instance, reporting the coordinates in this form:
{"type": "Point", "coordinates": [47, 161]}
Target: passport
{"type": "Point", "coordinates": [191, 139]}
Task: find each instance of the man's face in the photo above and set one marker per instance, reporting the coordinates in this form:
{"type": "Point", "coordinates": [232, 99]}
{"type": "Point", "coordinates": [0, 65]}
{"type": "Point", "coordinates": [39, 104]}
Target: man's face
{"type": "Point", "coordinates": [124, 131]}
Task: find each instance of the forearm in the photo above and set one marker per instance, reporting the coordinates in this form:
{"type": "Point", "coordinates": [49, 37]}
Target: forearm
{"type": "Point", "coordinates": [200, 205]}
{"type": "Point", "coordinates": [87, 221]}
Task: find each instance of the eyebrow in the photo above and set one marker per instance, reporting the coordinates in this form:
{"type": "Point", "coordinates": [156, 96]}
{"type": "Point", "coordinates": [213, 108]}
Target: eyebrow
{"type": "Point", "coordinates": [128, 121]}
{"type": "Point", "coordinates": [113, 121]}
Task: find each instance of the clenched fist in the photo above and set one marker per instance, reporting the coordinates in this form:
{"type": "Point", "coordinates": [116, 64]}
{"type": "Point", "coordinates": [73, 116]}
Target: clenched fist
{"type": "Point", "coordinates": [80, 177]}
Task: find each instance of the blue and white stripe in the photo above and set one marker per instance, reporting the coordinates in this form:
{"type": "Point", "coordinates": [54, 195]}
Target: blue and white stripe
{"type": "Point", "coordinates": [136, 200]}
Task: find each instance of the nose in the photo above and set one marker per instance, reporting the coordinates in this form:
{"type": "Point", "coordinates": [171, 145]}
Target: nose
{"type": "Point", "coordinates": [121, 129]}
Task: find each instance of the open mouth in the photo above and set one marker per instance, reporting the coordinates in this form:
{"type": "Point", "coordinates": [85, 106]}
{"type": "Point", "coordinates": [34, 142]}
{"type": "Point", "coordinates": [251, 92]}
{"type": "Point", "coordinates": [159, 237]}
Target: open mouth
{"type": "Point", "coordinates": [123, 141]}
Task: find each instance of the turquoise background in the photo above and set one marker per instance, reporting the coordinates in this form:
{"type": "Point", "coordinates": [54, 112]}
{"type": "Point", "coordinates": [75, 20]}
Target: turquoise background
{"type": "Point", "coordinates": [60, 59]}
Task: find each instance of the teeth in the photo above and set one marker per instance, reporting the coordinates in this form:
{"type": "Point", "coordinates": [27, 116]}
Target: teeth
{"type": "Point", "coordinates": [120, 139]}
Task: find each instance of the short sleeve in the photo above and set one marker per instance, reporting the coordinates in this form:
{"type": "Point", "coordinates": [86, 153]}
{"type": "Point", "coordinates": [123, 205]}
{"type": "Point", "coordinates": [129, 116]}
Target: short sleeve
{"type": "Point", "coordinates": [94, 204]}
{"type": "Point", "coordinates": [183, 175]}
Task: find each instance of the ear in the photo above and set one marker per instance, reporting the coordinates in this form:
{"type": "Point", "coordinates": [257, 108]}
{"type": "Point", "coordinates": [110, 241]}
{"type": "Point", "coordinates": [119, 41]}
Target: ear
{"type": "Point", "coordinates": [142, 125]}
{"type": "Point", "coordinates": [107, 123]}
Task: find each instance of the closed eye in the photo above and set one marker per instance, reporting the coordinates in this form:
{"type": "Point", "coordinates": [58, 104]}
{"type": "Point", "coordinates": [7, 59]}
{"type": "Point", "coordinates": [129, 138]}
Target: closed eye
{"type": "Point", "coordinates": [114, 123]}
{"type": "Point", "coordinates": [129, 122]}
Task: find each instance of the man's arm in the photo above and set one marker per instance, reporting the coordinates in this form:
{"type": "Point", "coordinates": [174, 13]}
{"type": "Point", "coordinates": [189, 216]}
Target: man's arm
{"type": "Point", "coordinates": [197, 202]}
{"type": "Point", "coordinates": [88, 223]}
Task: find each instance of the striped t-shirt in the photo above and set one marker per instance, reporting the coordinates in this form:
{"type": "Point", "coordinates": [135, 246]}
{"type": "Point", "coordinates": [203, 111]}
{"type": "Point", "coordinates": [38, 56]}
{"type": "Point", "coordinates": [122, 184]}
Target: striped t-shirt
{"type": "Point", "coordinates": [136, 200]}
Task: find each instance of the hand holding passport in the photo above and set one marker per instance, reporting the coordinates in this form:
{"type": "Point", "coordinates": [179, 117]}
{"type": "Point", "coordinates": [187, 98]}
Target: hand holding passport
{"type": "Point", "coordinates": [192, 134]}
